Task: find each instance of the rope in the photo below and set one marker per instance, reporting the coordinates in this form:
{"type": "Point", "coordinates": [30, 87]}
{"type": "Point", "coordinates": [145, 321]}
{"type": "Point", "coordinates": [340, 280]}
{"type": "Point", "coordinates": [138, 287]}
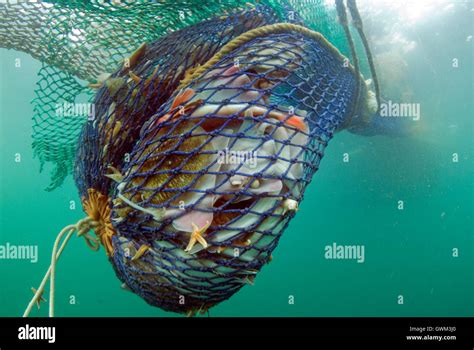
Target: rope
{"type": "Point", "coordinates": [357, 20]}
{"type": "Point", "coordinates": [342, 14]}
{"type": "Point", "coordinates": [277, 28]}
{"type": "Point", "coordinates": [82, 227]}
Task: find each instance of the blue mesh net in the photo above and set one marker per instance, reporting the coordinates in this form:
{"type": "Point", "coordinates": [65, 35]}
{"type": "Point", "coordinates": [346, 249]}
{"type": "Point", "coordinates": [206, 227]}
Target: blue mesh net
{"type": "Point", "coordinates": [204, 175]}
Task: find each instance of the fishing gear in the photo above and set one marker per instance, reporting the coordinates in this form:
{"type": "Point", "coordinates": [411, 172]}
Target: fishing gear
{"type": "Point", "coordinates": [202, 144]}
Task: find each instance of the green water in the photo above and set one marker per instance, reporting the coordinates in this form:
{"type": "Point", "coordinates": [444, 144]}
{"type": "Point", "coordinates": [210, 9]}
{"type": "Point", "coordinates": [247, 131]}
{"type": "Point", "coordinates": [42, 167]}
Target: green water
{"type": "Point", "coordinates": [408, 252]}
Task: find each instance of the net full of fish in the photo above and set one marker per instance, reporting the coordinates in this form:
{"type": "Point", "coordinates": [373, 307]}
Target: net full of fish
{"type": "Point", "coordinates": [196, 163]}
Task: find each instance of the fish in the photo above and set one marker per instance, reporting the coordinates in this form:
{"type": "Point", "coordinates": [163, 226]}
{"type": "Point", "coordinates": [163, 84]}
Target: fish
{"type": "Point", "coordinates": [223, 99]}
{"type": "Point", "coordinates": [190, 100]}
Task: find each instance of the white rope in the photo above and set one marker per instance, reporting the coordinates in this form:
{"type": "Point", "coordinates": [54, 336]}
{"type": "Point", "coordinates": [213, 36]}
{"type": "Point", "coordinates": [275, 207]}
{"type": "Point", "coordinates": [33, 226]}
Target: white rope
{"type": "Point", "coordinates": [81, 227]}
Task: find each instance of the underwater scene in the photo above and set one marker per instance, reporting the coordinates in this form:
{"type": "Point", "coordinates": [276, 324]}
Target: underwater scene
{"type": "Point", "coordinates": [287, 158]}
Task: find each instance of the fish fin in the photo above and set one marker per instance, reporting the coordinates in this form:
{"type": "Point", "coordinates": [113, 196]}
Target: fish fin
{"type": "Point", "coordinates": [140, 252]}
{"type": "Point", "coordinates": [130, 62]}
{"type": "Point", "coordinates": [296, 122]}
{"type": "Point", "coordinates": [135, 77]}
{"type": "Point", "coordinates": [183, 97]}
{"type": "Point", "coordinates": [230, 71]}
{"type": "Point", "coordinates": [95, 85]}
{"type": "Point", "coordinates": [292, 120]}
{"type": "Point", "coordinates": [152, 76]}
